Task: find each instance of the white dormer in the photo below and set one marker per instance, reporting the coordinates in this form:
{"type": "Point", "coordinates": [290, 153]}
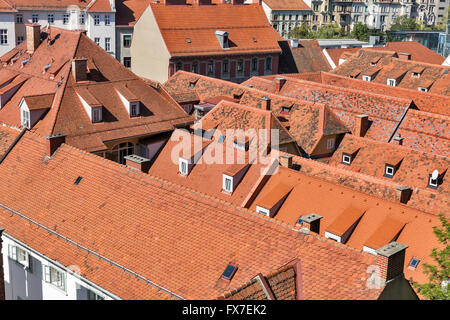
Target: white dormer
{"type": "Point", "coordinates": [227, 183]}
{"type": "Point", "coordinates": [129, 100]}
{"type": "Point", "coordinates": [91, 105]}
{"type": "Point", "coordinates": [32, 108]}
{"type": "Point", "coordinates": [183, 166]}
{"type": "Point", "coordinates": [366, 78]}
{"type": "Point", "coordinates": [422, 89]}
{"type": "Point", "coordinates": [391, 82]}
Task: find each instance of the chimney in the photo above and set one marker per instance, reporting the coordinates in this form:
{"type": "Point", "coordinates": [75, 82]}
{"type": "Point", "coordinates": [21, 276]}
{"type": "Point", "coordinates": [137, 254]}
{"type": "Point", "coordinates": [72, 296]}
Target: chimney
{"type": "Point", "coordinates": [361, 125]}
{"type": "Point", "coordinates": [285, 160]}
{"type": "Point", "coordinates": [54, 142]}
{"type": "Point", "coordinates": [390, 260]}
{"type": "Point", "coordinates": [137, 162]}
{"type": "Point", "coordinates": [403, 193]}
{"type": "Point", "coordinates": [279, 83]}
{"type": "Point", "coordinates": [2, 283]}
{"type": "Point", "coordinates": [404, 56]}
{"type": "Point", "coordinates": [79, 69]}
{"type": "Point", "coordinates": [266, 103]}
{"type": "Point", "coordinates": [33, 37]}
{"type": "Point", "coordinates": [398, 140]}
{"type": "Point", "coordinates": [311, 222]}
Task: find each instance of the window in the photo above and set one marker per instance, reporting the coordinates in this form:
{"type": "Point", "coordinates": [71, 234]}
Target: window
{"type": "Point", "coordinates": [391, 82]}
{"type": "Point", "coordinates": [51, 18]}
{"type": "Point", "coordinates": [134, 109]}
{"type": "Point", "coordinates": [96, 19]}
{"type": "Point", "coordinates": [240, 66]}
{"type": "Point", "coordinates": [227, 183]}
{"type": "Point", "coordinates": [285, 109]}
{"type": "Point", "coordinates": [107, 20]}
{"type": "Point", "coordinates": [225, 66]}
{"type": "Point", "coordinates": [127, 62]}
{"type": "Point", "coordinates": [108, 44]}
{"type": "Point", "coordinates": [433, 182]}
{"type": "Point", "coordinates": [127, 40]}
{"type": "Point", "coordinates": [422, 89]}
{"type": "Point", "coordinates": [94, 296]}
{"type": "Point", "coordinates": [97, 41]}
{"type": "Point", "coordinates": [389, 171]}
{"type": "Point", "coordinates": [19, 255]}
{"type": "Point", "coordinates": [55, 277]}
{"type": "Point", "coordinates": [19, 18]}
{"type": "Point", "coordinates": [330, 143]}
{"type": "Point", "coordinates": [194, 67]}
{"type": "Point", "coordinates": [346, 159]}
{"type": "Point", "coordinates": [179, 66]}
{"type": "Point", "coordinates": [254, 64]}
{"type": "Point", "coordinates": [414, 263]}
{"type": "Point", "coordinates": [183, 166]}
{"type": "Point", "coordinates": [263, 211]}
{"type": "Point", "coordinates": [121, 150]}
{"type": "Point", "coordinates": [66, 17]}
{"type": "Point", "coordinates": [82, 18]}
{"type": "Point", "coordinates": [3, 36]}
{"type": "Point", "coordinates": [96, 114]}
{"type": "Point", "coordinates": [210, 67]}
{"type": "Point", "coordinates": [20, 39]}
{"type": "Point", "coordinates": [26, 118]}
{"type": "Point", "coordinates": [366, 78]}
{"type": "Point", "coordinates": [35, 18]}
{"type": "Point", "coordinates": [269, 63]}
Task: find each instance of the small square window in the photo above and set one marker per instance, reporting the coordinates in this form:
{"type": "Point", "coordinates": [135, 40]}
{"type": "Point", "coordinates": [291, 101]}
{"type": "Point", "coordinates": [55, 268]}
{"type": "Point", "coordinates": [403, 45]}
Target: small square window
{"type": "Point", "coordinates": [229, 272]}
{"type": "Point", "coordinates": [414, 263]}
{"type": "Point", "coordinates": [346, 159]}
{"type": "Point", "coordinates": [389, 171]}
{"type": "Point", "coordinates": [391, 82]}
{"type": "Point", "coordinates": [433, 183]}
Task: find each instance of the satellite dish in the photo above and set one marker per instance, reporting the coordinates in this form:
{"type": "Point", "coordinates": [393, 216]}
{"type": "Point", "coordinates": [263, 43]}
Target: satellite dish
{"type": "Point", "coordinates": [435, 175]}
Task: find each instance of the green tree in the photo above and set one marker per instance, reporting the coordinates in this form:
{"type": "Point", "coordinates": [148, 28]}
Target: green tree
{"type": "Point", "coordinates": [329, 31]}
{"type": "Point", "coordinates": [302, 32]}
{"type": "Point", "coordinates": [360, 31]}
{"type": "Point", "coordinates": [439, 274]}
{"type": "Point", "coordinates": [404, 23]}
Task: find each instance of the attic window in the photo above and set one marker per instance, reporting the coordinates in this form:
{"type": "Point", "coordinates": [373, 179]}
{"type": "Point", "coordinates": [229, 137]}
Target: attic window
{"type": "Point", "coordinates": [97, 114]}
{"type": "Point", "coordinates": [77, 181]}
{"type": "Point", "coordinates": [422, 89]}
{"type": "Point", "coordinates": [391, 82]}
{"type": "Point", "coordinates": [192, 84]}
{"type": "Point", "coordinates": [229, 272]}
{"type": "Point", "coordinates": [227, 183]}
{"type": "Point", "coordinates": [433, 180]}
{"type": "Point", "coordinates": [188, 40]}
{"type": "Point", "coordinates": [414, 263]}
{"type": "Point", "coordinates": [183, 166]}
{"type": "Point", "coordinates": [346, 159]}
{"type": "Point", "coordinates": [389, 171]}
{"type": "Point", "coordinates": [286, 109]}
{"type": "Point", "coordinates": [134, 109]}
{"type": "Point", "coordinates": [366, 78]}
{"type": "Point", "coordinates": [26, 118]}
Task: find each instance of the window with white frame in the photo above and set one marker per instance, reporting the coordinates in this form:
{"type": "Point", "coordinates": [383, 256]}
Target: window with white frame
{"type": "Point", "coordinates": [422, 89]}
{"type": "Point", "coordinates": [96, 19]}
{"type": "Point", "coordinates": [389, 171]}
{"type": "Point", "coordinates": [19, 255]}
{"type": "Point", "coordinates": [19, 18]}
{"type": "Point", "coordinates": [366, 78]}
{"type": "Point", "coordinates": [263, 211]}
{"type": "Point", "coordinates": [391, 82]}
{"type": "Point", "coordinates": [433, 182]}
{"type": "Point", "coordinates": [82, 19]}
{"type": "Point", "coordinates": [107, 44]}
{"type": "Point", "coordinates": [66, 18]}
{"type": "Point", "coordinates": [107, 20]}
{"type": "Point", "coordinates": [134, 109]}
{"type": "Point", "coordinates": [50, 18]}
{"type": "Point", "coordinates": [3, 36]}
{"type": "Point", "coordinates": [35, 18]}
{"type": "Point", "coordinates": [183, 166]}
{"type": "Point", "coordinates": [26, 118]}
{"type": "Point", "coordinates": [97, 41]}
{"type": "Point", "coordinates": [96, 114]}
{"type": "Point", "coordinates": [346, 159]}
{"type": "Point", "coordinates": [227, 183]}
{"type": "Point", "coordinates": [330, 143]}
{"type": "Point", "coordinates": [55, 277]}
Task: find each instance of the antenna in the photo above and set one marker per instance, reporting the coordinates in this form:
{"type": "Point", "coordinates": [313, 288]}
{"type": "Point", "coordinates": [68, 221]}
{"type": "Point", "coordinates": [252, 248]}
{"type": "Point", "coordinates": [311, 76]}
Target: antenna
{"type": "Point", "coordinates": [435, 174]}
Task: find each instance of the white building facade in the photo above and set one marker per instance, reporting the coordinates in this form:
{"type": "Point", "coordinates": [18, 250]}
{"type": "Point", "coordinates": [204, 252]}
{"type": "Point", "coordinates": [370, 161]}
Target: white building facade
{"type": "Point", "coordinates": [29, 275]}
{"type": "Point", "coordinates": [98, 23]}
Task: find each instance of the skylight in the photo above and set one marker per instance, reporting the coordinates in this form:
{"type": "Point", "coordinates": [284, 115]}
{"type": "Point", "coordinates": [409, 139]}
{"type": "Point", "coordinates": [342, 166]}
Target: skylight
{"type": "Point", "coordinates": [78, 180]}
{"type": "Point", "coordinates": [229, 272]}
{"type": "Point", "coordinates": [188, 40]}
{"type": "Point", "coordinates": [414, 262]}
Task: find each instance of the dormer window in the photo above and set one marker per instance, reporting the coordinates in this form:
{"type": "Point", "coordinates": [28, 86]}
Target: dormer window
{"type": "Point", "coordinates": [346, 159]}
{"type": "Point", "coordinates": [435, 179]}
{"type": "Point", "coordinates": [96, 114]}
{"type": "Point", "coordinates": [389, 171]}
{"type": "Point", "coordinates": [286, 109]}
{"type": "Point", "coordinates": [129, 100]}
{"type": "Point", "coordinates": [422, 89]}
{"type": "Point", "coordinates": [227, 183]}
{"type": "Point", "coordinates": [183, 166]}
{"type": "Point", "coordinates": [433, 183]}
{"type": "Point", "coordinates": [415, 75]}
{"type": "Point", "coordinates": [222, 37]}
{"type": "Point", "coordinates": [366, 78]}
{"type": "Point", "coordinates": [26, 118]}
{"type": "Point", "coordinates": [391, 82]}
{"type": "Point", "coordinates": [134, 109]}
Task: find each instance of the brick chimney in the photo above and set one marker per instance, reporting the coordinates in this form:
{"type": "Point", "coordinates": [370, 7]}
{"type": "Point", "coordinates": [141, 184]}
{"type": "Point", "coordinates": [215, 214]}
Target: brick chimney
{"type": "Point", "coordinates": [403, 193]}
{"type": "Point", "coordinates": [137, 162]}
{"type": "Point", "coordinates": [390, 260]}
{"type": "Point", "coordinates": [361, 125]}
{"type": "Point", "coordinates": [54, 142]}
{"type": "Point", "coordinates": [265, 103]}
{"type": "Point", "coordinates": [398, 140]}
{"type": "Point", "coordinates": [311, 222]}
{"type": "Point", "coordinates": [285, 160]}
{"type": "Point", "coordinates": [279, 83]}
{"type": "Point", "coordinates": [33, 37]}
{"type": "Point", "coordinates": [79, 69]}
{"type": "Point", "coordinates": [2, 278]}
{"type": "Point", "coordinates": [404, 56]}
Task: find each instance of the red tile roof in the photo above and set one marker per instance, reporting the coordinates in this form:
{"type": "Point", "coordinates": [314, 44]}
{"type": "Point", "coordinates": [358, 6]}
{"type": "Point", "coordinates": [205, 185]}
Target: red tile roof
{"type": "Point", "coordinates": [94, 5]}
{"type": "Point", "coordinates": [307, 57]}
{"type": "Point", "coordinates": [161, 238]}
{"type": "Point", "coordinates": [247, 26]}
{"type": "Point", "coordinates": [7, 137]}
{"type": "Point", "coordinates": [287, 4]}
{"type": "Point", "coordinates": [160, 113]}
{"type": "Point", "coordinates": [128, 12]}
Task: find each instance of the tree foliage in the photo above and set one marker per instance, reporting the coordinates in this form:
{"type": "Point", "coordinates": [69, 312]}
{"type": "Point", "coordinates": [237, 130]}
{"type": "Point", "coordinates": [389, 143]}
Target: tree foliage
{"type": "Point", "coordinates": [437, 287]}
{"type": "Point", "coordinates": [302, 32]}
{"type": "Point", "coordinates": [404, 23]}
